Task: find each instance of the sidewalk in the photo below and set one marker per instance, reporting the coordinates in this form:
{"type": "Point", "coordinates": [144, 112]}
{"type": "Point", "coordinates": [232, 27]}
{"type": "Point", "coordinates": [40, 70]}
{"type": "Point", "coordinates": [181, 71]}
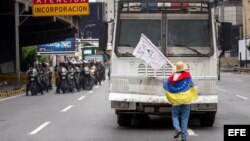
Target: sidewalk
{"type": "Point", "coordinates": [227, 64]}
{"type": "Point", "coordinates": [232, 64]}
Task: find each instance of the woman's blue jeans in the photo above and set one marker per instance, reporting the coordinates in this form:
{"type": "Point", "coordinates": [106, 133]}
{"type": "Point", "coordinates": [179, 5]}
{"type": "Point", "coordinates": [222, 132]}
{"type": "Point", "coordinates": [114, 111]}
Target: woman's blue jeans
{"type": "Point", "coordinates": [182, 111]}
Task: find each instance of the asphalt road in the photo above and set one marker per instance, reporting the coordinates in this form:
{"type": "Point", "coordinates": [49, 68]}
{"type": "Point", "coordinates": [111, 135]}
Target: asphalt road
{"type": "Point", "coordinates": [87, 116]}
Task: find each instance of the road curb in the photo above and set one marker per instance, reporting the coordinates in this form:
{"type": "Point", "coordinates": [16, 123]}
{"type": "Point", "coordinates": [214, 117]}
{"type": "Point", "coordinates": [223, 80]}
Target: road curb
{"type": "Point", "coordinates": [11, 93]}
{"type": "Point", "coordinates": [241, 69]}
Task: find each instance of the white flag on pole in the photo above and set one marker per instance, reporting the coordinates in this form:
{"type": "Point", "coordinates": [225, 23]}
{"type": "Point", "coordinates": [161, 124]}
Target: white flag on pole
{"type": "Point", "coordinates": [148, 52]}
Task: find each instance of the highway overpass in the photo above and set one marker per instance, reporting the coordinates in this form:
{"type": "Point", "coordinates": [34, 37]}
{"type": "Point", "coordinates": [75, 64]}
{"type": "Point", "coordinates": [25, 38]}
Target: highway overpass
{"type": "Point", "coordinates": [32, 30]}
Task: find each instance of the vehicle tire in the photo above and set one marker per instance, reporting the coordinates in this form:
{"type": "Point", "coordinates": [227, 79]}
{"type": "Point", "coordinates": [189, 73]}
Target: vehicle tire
{"type": "Point", "coordinates": [71, 86]}
{"type": "Point", "coordinates": [124, 119]}
{"type": "Point", "coordinates": [33, 88]}
{"type": "Point", "coordinates": [219, 71]}
{"type": "Point", "coordinates": [64, 86]}
{"type": "Point", "coordinates": [87, 85]}
{"type": "Point", "coordinates": [207, 120]}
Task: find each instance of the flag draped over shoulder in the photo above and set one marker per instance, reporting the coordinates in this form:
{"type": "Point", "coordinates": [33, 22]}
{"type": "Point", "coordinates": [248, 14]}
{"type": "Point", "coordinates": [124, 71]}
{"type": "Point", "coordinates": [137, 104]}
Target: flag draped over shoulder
{"type": "Point", "coordinates": [181, 90]}
{"type": "Point", "coordinates": [148, 52]}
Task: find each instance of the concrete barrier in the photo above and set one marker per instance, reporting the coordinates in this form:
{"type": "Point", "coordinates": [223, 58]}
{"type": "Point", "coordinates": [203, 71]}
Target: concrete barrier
{"type": "Point", "coordinates": [239, 69]}
{"type": "Point", "coordinates": [11, 78]}
{"type": "Point", "coordinates": [11, 93]}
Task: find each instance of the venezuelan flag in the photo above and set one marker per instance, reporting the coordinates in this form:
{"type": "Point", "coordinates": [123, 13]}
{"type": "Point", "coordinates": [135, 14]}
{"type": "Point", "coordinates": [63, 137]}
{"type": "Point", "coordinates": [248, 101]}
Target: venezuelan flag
{"type": "Point", "coordinates": [181, 90]}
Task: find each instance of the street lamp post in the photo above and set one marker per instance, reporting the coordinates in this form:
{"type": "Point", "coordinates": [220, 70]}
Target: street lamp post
{"type": "Point", "coordinates": [17, 41]}
{"type": "Point", "coordinates": [245, 33]}
{"type": "Point", "coordinates": [85, 27]}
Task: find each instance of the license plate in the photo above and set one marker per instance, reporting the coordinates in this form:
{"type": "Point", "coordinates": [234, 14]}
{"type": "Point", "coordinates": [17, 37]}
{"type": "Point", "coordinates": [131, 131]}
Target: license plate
{"type": "Point", "coordinates": [63, 77]}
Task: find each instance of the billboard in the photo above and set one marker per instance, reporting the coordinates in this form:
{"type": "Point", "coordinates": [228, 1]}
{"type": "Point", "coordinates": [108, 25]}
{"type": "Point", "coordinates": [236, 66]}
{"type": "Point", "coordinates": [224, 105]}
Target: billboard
{"type": "Point", "coordinates": [60, 7]}
{"type": "Point", "coordinates": [61, 47]}
{"type": "Point", "coordinates": [90, 57]}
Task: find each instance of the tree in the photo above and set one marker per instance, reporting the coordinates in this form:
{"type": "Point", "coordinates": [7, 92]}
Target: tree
{"type": "Point", "coordinates": [29, 56]}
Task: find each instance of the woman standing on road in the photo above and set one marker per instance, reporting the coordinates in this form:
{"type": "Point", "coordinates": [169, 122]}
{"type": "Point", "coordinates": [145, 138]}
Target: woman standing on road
{"type": "Point", "coordinates": [180, 92]}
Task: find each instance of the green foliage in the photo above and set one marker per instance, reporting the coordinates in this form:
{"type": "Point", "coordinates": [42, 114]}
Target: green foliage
{"type": "Point", "coordinates": [42, 58]}
{"type": "Point", "coordinates": [28, 51]}
{"type": "Point", "coordinates": [29, 56]}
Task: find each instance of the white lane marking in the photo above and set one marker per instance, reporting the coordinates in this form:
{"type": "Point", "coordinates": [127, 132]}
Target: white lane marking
{"type": "Point", "coordinates": [3, 99]}
{"type": "Point", "coordinates": [90, 92]}
{"type": "Point", "coordinates": [81, 98]}
{"type": "Point", "coordinates": [191, 132]}
{"type": "Point", "coordinates": [39, 128]}
{"type": "Point", "coordinates": [96, 86]}
{"type": "Point", "coordinates": [222, 90]}
{"type": "Point", "coordinates": [245, 98]}
{"type": "Point", "coordinates": [67, 108]}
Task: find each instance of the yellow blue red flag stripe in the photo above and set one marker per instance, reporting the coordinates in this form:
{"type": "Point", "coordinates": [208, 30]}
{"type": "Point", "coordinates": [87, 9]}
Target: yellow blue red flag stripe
{"type": "Point", "coordinates": [181, 90]}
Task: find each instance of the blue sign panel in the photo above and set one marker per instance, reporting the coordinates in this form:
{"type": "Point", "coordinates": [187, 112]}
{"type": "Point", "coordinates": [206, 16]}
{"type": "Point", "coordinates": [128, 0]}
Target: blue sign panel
{"type": "Point", "coordinates": [67, 46]}
{"type": "Point", "coordinates": [149, 5]}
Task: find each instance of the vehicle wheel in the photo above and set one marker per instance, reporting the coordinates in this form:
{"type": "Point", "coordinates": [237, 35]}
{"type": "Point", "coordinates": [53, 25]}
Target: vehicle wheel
{"type": "Point", "coordinates": [33, 92]}
{"type": "Point", "coordinates": [64, 86]}
{"type": "Point", "coordinates": [124, 119]}
{"type": "Point", "coordinates": [91, 87]}
{"type": "Point", "coordinates": [33, 88]}
{"type": "Point", "coordinates": [219, 71]}
{"type": "Point", "coordinates": [207, 120]}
